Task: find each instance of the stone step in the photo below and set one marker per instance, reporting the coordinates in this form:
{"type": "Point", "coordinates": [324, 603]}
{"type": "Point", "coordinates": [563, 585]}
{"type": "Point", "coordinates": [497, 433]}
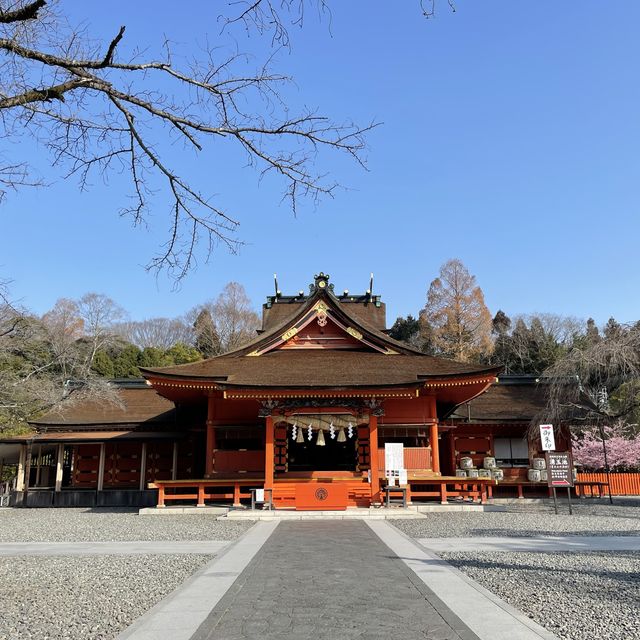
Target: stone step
{"type": "Point", "coordinates": [349, 514]}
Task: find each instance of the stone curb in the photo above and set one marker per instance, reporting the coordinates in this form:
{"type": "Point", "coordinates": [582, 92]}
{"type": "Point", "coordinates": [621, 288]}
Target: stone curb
{"type": "Point", "coordinates": [179, 615]}
{"type": "Point", "coordinates": [483, 612]}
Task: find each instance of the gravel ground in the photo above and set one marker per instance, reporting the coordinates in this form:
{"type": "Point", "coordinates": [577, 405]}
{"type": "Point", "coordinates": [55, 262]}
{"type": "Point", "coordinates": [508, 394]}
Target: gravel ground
{"type": "Point", "coordinates": [84, 597]}
{"type": "Point", "coordinates": [574, 595]}
{"type": "Point", "coordinates": [594, 519]}
{"type": "Point", "coordinates": [87, 525]}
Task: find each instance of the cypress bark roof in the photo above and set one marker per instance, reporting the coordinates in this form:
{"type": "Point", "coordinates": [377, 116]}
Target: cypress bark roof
{"type": "Point", "coordinates": [375, 360]}
{"type": "Point", "coordinates": [138, 406]}
{"type": "Point", "coordinates": [512, 399]}
{"type": "Point", "coordinates": [320, 368]}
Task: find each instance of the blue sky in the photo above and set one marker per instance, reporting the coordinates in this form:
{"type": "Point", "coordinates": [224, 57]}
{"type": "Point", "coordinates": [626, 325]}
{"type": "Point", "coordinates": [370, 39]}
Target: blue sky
{"type": "Point", "coordinates": [510, 140]}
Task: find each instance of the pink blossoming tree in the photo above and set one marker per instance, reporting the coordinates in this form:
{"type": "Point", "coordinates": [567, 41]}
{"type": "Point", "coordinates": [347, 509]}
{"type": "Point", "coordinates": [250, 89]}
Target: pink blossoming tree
{"type": "Point", "coordinates": [623, 453]}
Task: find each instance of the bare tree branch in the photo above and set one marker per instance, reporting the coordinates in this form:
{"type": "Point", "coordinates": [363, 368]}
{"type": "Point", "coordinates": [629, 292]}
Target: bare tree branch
{"type": "Point", "coordinates": [28, 12]}
{"type": "Point", "coordinates": [98, 114]}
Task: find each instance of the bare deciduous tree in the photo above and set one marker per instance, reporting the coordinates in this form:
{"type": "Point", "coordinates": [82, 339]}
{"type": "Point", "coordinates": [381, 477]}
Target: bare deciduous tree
{"type": "Point", "coordinates": [37, 356]}
{"type": "Point", "coordinates": [99, 110]}
{"type": "Point", "coordinates": [161, 333]}
{"type": "Point", "coordinates": [597, 381]}
{"type": "Point", "coordinates": [64, 327]}
{"type": "Point", "coordinates": [234, 320]}
{"type": "Point", "coordinates": [456, 315]}
{"type": "Point", "coordinates": [99, 314]}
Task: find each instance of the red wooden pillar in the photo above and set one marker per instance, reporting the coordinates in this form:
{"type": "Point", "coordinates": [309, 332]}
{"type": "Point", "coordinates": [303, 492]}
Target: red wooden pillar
{"type": "Point", "coordinates": [433, 436]}
{"type": "Point", "coordinates": [269, 453]}
{"type": "Point", "coordinates": [211, 439]}
{"type": "Point", "coordinates": [435, 447]}
{"type": "Point", "coordinates": [373, 457]}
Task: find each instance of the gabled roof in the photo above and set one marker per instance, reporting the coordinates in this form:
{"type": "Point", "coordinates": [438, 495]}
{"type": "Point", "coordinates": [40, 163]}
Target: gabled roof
{"type": "Point", "coordinates": [372, 360]}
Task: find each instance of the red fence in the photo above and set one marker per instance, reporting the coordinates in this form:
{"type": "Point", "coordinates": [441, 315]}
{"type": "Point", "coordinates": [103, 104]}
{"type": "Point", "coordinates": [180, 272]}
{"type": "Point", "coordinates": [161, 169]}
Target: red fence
{"type": "Point", "coordinates": [622, 484]}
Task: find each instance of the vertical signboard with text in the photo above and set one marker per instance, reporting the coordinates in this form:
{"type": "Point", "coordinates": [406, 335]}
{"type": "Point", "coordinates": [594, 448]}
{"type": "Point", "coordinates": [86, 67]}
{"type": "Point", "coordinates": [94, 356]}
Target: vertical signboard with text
{"type": "Point", "coordinates": [559, 469]}
{"type": "Point", "coordinates": [547, 438]}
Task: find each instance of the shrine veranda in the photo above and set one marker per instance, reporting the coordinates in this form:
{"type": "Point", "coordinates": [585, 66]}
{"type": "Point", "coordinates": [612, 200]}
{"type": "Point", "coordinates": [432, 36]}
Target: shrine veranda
{"type": "Point", "coordinates": [299, 418]}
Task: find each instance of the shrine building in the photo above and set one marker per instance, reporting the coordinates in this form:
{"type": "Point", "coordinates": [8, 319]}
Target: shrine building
{"type": "Point", "coordinates": [301, 414]}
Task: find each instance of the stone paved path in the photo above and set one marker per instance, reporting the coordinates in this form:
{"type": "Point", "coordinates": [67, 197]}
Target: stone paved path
{"type": "Point", "coordinates": [329, 580]}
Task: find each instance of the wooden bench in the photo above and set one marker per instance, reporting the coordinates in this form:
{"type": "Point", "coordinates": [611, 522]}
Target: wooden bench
{"type": "Point", "coordinates": [519, 486]}
{"type": "Point", "coordinates": [581, 486]}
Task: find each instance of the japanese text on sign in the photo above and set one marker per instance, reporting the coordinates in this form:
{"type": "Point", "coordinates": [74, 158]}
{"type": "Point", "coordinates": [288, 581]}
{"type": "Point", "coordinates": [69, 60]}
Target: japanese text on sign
{"type": "Point", "coordinates": [547, 438]}
{"type": "Point", "coordinates": [560, 469]}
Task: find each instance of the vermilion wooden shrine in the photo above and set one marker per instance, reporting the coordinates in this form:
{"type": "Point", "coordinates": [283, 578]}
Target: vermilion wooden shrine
{"type": "Point", "coordinates": [314, 396]}
{"type": "Point", "coordinates": [302, 411]}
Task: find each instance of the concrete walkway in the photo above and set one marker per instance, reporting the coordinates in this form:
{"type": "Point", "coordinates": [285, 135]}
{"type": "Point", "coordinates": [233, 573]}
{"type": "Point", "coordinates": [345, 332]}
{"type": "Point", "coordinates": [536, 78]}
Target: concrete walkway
{"type": "Point", "coordinates": [205, 547]}
{"type": "Point", "coordinates": [328, 580]}
{"type": "Point", "coordinates": [487, 615]}
{"type": "Point", "coordinates": [535, 543]}
{"type": "Point", "coordinates": [179, 615]}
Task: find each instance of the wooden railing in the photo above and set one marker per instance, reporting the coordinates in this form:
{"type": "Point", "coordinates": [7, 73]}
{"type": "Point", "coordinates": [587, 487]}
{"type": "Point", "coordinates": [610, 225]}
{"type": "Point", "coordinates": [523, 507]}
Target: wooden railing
{"type": "Point", "coordinates": [201, 490]}
{"type": "Point", "coordinates": [622, 484]}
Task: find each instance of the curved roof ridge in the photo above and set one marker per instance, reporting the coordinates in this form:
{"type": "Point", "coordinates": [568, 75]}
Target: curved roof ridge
{"type": "Point", "coordinates": [442, 366]}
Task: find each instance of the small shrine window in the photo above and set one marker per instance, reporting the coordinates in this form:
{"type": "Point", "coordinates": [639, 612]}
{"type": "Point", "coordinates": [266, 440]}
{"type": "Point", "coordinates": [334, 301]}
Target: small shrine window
{"type": "Point", "coordinates": [511, 452]}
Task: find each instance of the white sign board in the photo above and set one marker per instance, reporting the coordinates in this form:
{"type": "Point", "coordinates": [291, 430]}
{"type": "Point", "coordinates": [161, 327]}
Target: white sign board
{"type": "Point", "coordinates": [393, 457]}
{"type": "Point", "coordinates": [547, 438]}
{"type": "Point", "coordinates": [402, 479]}
{"type": "Point", "coordinates": [259, 495]}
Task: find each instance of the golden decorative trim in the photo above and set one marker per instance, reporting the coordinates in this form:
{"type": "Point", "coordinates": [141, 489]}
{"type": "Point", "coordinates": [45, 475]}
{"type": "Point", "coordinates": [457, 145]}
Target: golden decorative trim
{"type": "Point", "coordinates": [184, 385]}
{"type": "Point", "coordinates": [254, 353]}
{"type": "Point", "coordinates": [306, 394]}
{"type": "Point", "coordinates": [354, 332]}
{"type": "Point", "coordinates": [287, 335]}
{"type": "Point", "coordinates": [321, 306]}
{"type": "Point", "coordinates": [459, 383]}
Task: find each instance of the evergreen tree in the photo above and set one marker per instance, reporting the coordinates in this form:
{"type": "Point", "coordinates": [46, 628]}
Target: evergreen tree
{"type": "Point", "coordinates": [181, 353]}
{"type": "Point", "coordinates": [103, 365]}
{"type": "Point", "coordinates": [125, 364]}
{"type": "Point", "coordinates": [153, 357]}
{"type": "Point", "coordinates": [592, 334]}
{"type": "Point", "coordinates": [405, 329]}
{"type": "Point", "coordinates": [207, 340]}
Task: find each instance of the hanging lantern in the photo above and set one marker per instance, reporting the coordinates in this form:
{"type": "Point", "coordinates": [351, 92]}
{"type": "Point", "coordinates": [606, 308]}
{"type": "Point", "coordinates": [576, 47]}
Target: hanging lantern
{"type": "Point", "coordinates": [332, 431]}
{"type": "Point", "coordinates": [320, 440]}
{"type": "Point", "coordinates": [300, 436]}
{"type": "Point", "coordinates": [294, 431]}
{"type": "Point", "coordinates": [309, 433]}
{"type": "Point", "coordinates": [341, 436]}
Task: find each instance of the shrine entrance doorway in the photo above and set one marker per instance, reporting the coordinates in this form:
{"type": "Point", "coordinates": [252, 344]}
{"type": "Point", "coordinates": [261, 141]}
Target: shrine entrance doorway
{"type": "Point", "coordinates": [332, 456]}
{"type": "Point", "coordinates": [322, 442]}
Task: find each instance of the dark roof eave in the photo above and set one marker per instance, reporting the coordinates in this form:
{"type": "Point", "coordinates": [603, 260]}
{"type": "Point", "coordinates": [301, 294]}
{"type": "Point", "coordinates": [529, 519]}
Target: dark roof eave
{"type": "Point", "coordinates": [222, 381]}
{"type": "Point", "coordinates": [415, 384]}
{"type": "Point", "coordinates": [469, 374]}
{"type": "Point", "coordinates": [180, 376]}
